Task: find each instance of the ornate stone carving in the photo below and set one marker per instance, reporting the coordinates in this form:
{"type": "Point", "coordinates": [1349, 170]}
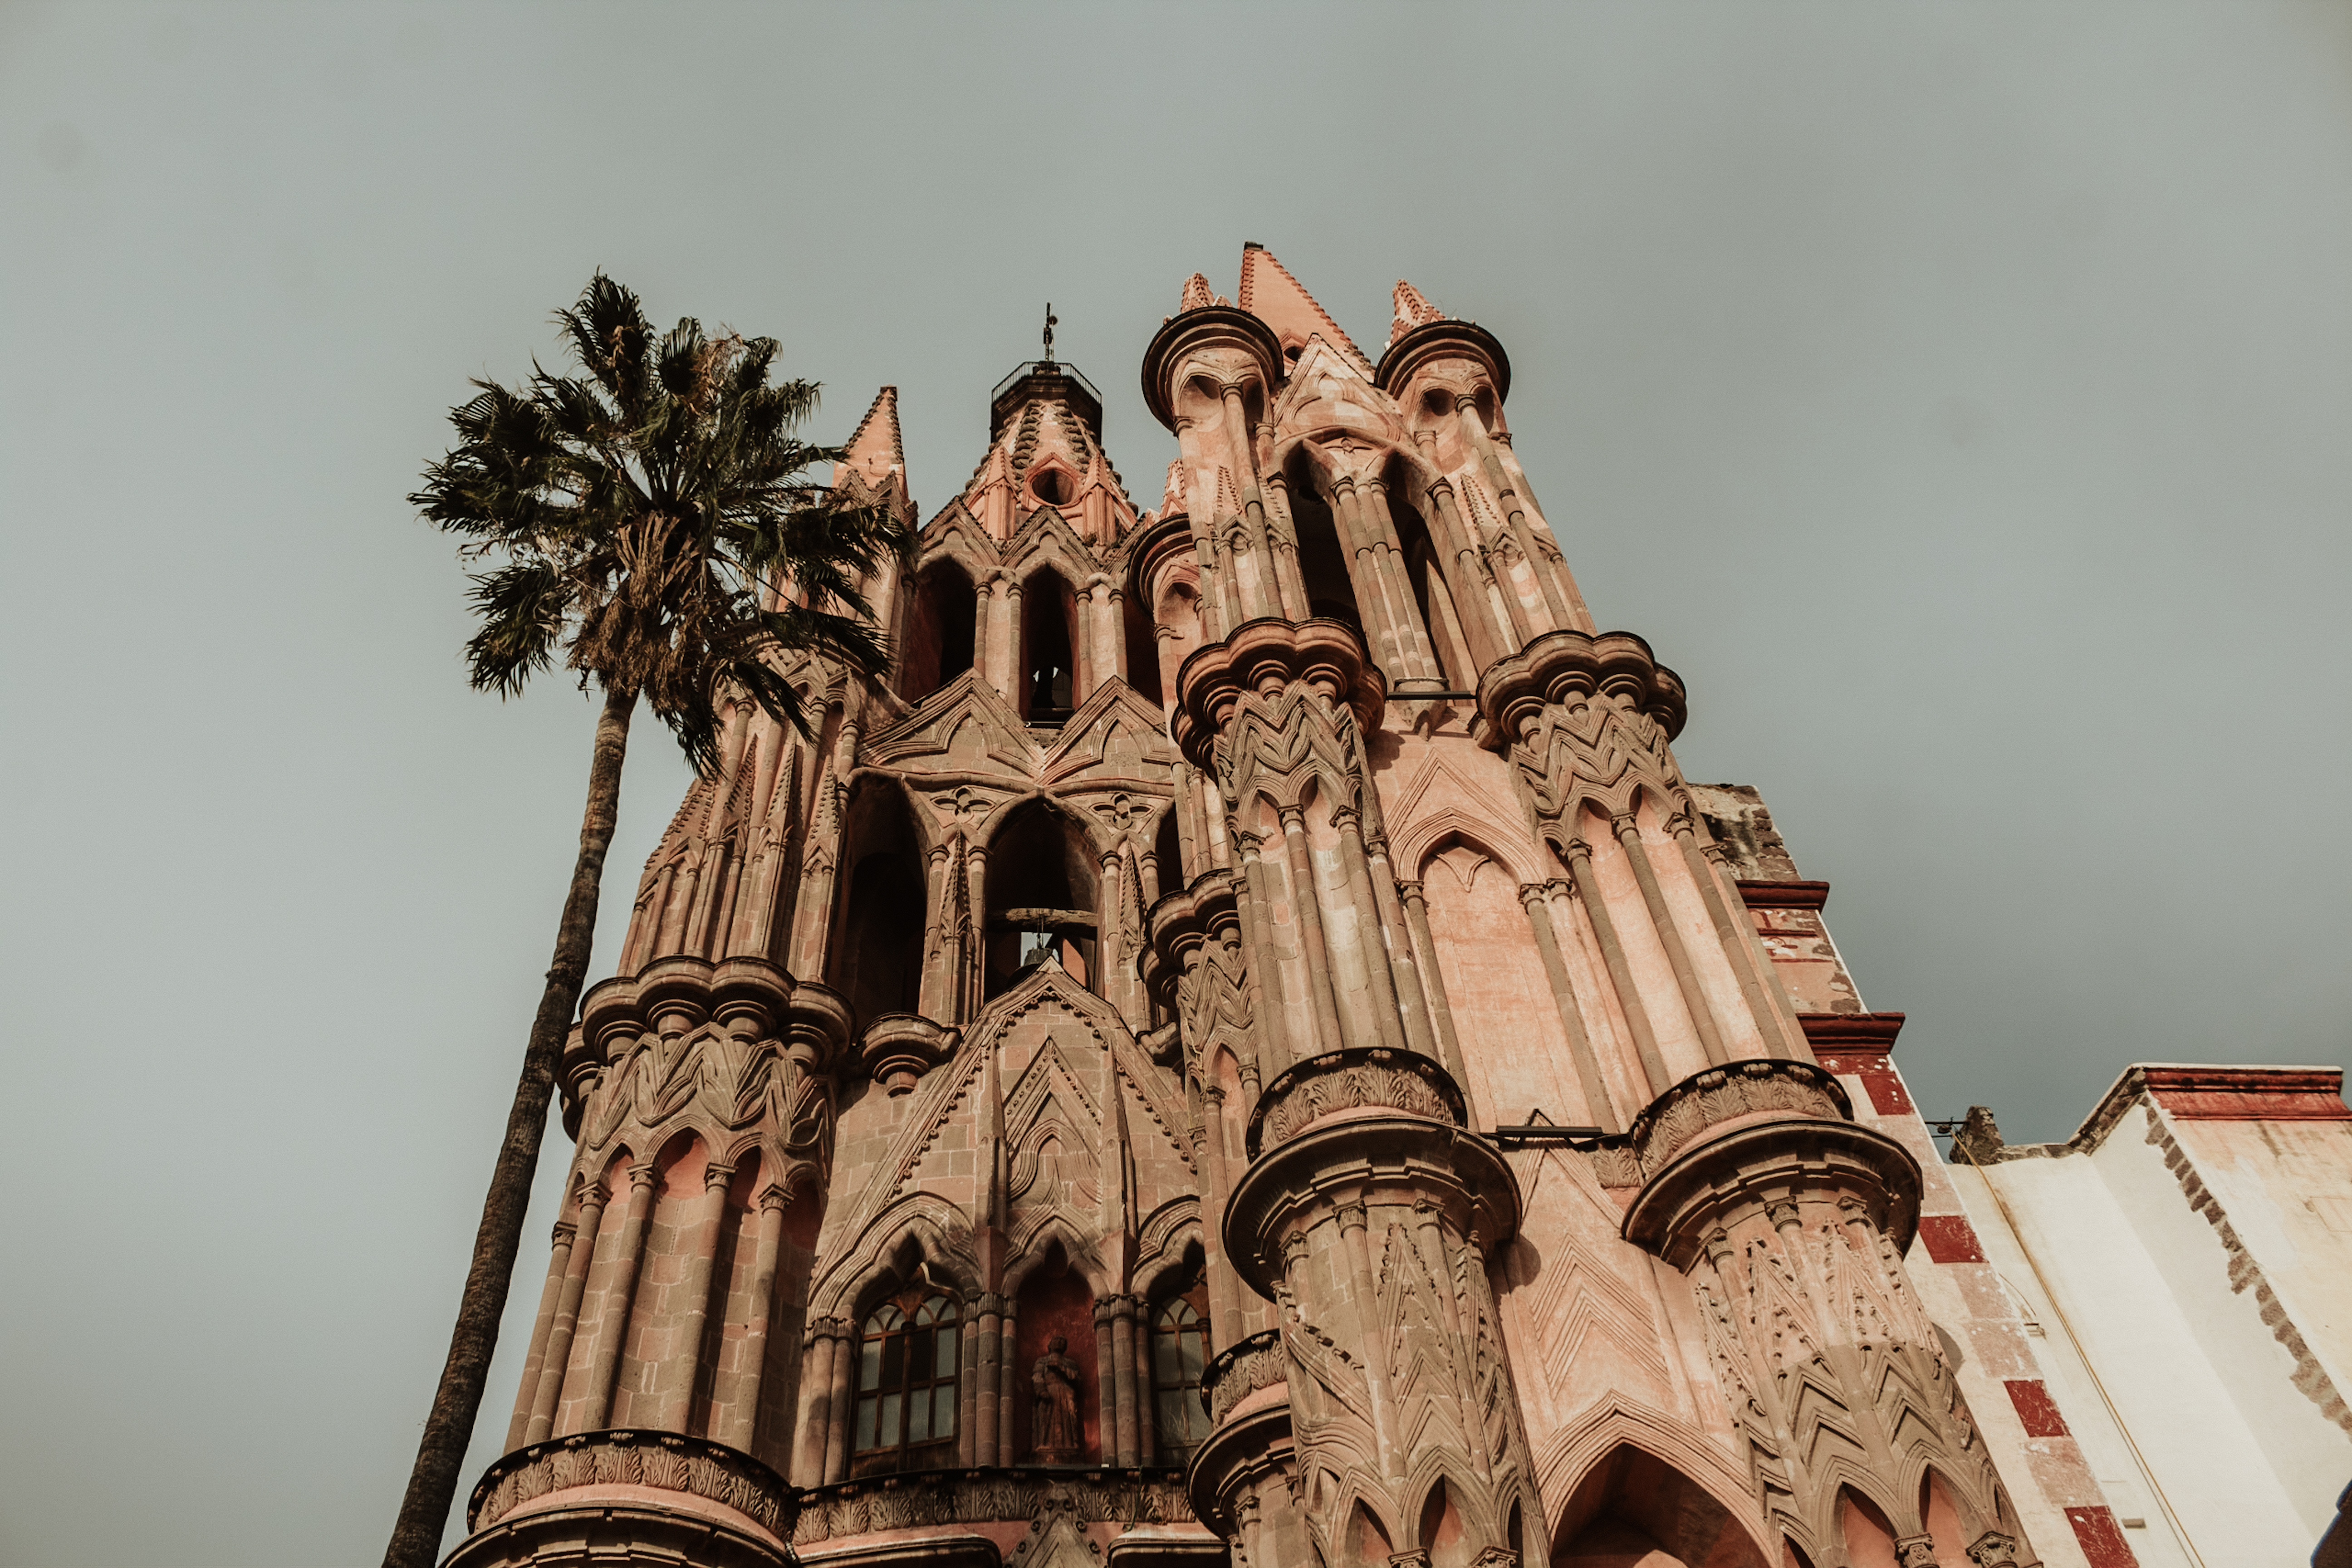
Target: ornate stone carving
{"type": "Point", "coordinates": [1240, 1370]}
{"type": "Point", "coordinates": [901, 1502]}
{"type": "Point", "coordinates": [660, 1460]}
{"type": "Point", "coordinates": [1320, 659]}
{"type": "Point", "coordinates": [1342, 1081]}
{"type": "Point", "coordinates": [1054, 1419]}
{"type": "Point", "coordinates": [1725, 1094]}
{"type": "Point", "coordinates": [1994, 1549]}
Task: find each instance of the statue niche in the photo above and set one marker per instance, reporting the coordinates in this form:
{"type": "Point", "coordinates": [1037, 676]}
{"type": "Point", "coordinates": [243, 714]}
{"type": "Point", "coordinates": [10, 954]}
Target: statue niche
{"type": "Point", "coordinates": [1055, 1438]}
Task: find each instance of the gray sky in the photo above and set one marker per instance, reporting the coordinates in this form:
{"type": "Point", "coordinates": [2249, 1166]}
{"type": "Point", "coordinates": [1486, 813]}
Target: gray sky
{"type": "Point", "coordinates": [1957, 396]}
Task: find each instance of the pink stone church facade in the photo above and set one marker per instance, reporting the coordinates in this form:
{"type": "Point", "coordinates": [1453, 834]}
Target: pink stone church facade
{"type": "Point", "coordinates": [1247, 1048]}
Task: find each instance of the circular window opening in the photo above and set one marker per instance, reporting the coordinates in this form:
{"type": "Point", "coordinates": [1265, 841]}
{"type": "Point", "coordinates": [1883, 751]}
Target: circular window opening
{"type": "Point", "coordinates": [1052, 486]}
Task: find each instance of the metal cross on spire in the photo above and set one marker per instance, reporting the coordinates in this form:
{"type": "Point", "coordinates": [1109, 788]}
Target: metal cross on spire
{"type": "Point", "coordinates": [1052, 321]}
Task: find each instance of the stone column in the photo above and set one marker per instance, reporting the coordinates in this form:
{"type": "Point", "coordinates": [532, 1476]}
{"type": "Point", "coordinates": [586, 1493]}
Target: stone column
{"type": "Point", "coordinates": [1790, 1221]}
{"type": "Point", "coordinates": [620, 1295]}
{"type": "Point", "coordinates": [988, 1382]}
{"type": "Point", "coordinates": [841, 1401]}
{"type": "Point", "coordinates": [1351, 1152]}
{"type": "Point", "coordinates": [1620, 972]}
{"type": "Point", "coordinates": [760, 1306]}
{"type": "Point", "coordinates": [1121, 1378]}
{"type": "Point", "coordinates": [674, 1381]}
{"type": "Point", "coordinates": [1106, 1383]}
{"type": "Point", "coordinates": [813, 1421]}
{"type": "Point", "coordinates": [1532, 896]}
{"type": "Point", "coordinates": [542, 1380]}
{"type": "Point", "coordinates": [1008, 1388]}
{"type": "Point", "coordinates": [1627, 829]}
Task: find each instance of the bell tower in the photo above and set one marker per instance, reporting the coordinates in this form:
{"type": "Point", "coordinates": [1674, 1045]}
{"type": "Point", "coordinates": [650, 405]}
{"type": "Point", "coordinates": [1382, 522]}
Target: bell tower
{"type": "Point", "coordinates": [1244, 1047]}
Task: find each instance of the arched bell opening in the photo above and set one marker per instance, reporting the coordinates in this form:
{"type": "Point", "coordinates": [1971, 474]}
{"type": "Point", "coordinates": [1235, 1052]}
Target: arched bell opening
{"type": "Point", "coordinates": [1168, 856]}
{"type": "Point", "coordinates": [1176, 625]}
{"type": "Point", "coordinates": [936, 643]}
{"type": "Point", "coordinates": [876, 964]}
{"type": "Point", "coordinates": [1142, 648]}
{"type": "Point", "coordinates": [1041, 896]}
{"type": "Point", "coordinates": [1323, 564]}
{"type": "Point", "coordinates": [1635, 1508]}
{"type": "Point", "coordinates": [1049, 633]}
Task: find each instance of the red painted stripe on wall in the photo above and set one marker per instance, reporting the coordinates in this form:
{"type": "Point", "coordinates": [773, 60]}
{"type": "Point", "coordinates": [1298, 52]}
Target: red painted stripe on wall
{"type": "Point", "coordinates": [1950, 1239]}
{"type": "Point", "coordinates": [2036, 1408]}
{"type": "Point", "coordinates": [2101, 1538]}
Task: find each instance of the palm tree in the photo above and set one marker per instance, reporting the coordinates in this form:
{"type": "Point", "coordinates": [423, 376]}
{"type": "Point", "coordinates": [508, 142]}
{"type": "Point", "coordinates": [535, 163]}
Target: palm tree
{"type": "Point", "coordinates": [653, 522]}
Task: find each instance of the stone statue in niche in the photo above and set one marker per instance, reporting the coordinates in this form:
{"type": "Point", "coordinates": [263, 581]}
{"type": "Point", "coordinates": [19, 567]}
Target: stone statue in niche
{"type": "Point", "coordinates": [1054, 1435]}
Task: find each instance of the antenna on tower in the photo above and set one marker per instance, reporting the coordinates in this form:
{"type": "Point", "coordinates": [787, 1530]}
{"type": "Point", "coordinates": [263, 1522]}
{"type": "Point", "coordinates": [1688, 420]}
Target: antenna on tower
{"type": "Point", "coordinates": [1052, 321]}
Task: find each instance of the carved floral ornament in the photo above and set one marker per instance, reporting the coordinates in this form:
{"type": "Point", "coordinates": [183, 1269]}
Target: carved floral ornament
{"type": "Point", "coordinates": [659, 1459]}
{"type": "Point", "coordinates": [904, 1502]}
{"type": "Point", "coordinates": [719, 1050]}
{"type": "Point", "coordinates": [1719, 1095]}
{"type": "Point", "coordinates": [1240, 1370]}
{"type": "Point", "coordinates": [1562, 666]}
{"type": "Point", "coordinates": [1263, 658]}
{"type": "Point", "coordinates": [1358, 1080]}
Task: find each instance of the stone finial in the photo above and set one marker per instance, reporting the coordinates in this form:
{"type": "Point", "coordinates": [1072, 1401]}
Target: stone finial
{"type": "Point", "coordinates": [1979, 1140]}
{"type": "Point", "coordinates": [1412, 311]}
{"type": "Point", "coordinates": [1171, 500]}
{"type": "Point", "coordinates": [1196, 295]}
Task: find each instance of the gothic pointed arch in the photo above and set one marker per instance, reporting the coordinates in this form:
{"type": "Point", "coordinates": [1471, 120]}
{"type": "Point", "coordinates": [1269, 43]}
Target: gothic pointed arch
{"type": "Point", "coordinates": [1041, 898]}
{"type": "Point", "coordinates": [876, 962]}
{"type": "Point", "coordinates": [1326, 559]}
{"type": "Point", "coordinates": [937, 641]}
{"type": "Point", "coordinates": [1633, 1506]}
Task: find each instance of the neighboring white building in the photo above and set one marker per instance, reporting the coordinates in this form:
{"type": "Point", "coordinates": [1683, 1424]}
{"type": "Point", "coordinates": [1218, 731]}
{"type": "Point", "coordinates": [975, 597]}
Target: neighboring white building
{"type": "Point", "coordinates": [2184, 1262]}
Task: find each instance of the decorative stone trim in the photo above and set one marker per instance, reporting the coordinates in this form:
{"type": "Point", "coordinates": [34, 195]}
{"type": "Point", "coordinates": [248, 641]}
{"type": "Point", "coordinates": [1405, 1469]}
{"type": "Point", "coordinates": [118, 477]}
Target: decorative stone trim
{"type": "Point", "coordinates": [1153, 1496]}
{"type": "Point", "coordinates": [1758, 894]}
{"type": "Point", "coordinates": [1366, 1076]}
{"type": "Point", "coordinates": [1673, 1119]}
{"type": "Point", "coordinates": [1264, 655]}
{"type": "Point", "coordinates": [694, 1466]}
{"type": "Point", "coordinates": [1240, 1370]}
{"type": "Point", "coordinates": [1559, 665]}
{"type": "Point", "coordinates": [899, 1048]}
{"type": "Point", "coordinates": [1444, 337]}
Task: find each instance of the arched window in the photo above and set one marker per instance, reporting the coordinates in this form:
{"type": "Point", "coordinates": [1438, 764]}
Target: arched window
{"type": "Point", "coordinates": [1180, 1350]}
{"type": "Point", "coordinates": [906, 1383]}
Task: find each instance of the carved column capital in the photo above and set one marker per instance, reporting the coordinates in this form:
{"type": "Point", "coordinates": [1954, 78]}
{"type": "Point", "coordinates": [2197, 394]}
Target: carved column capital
{"type": "Point", "coordinates": [717, 1174]}
{"type": "Point", "coordinates": [565, 1230]}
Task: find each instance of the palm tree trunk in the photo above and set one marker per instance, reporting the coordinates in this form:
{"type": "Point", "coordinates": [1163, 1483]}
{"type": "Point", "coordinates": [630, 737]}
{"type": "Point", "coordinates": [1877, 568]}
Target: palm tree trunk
{"type": "Point", "coordinates": [433, 1484]}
